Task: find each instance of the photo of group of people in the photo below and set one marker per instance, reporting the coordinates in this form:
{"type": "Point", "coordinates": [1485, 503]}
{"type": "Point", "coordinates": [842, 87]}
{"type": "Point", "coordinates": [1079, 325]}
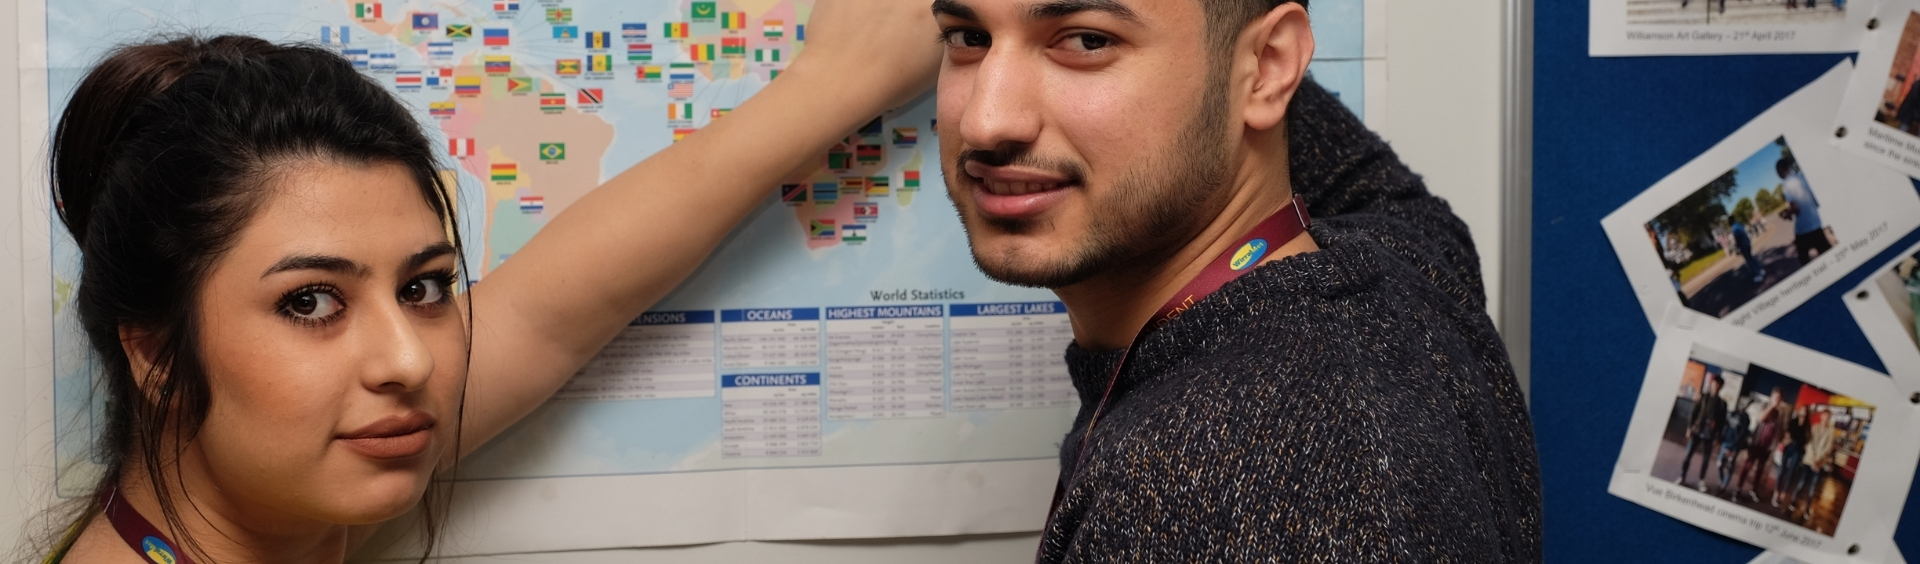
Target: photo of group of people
{"type": "Point", "coordinates": [1765, 441]}
{"type": "Point", "coordinates": [1733, 12]}
{"type": "Point", "coordinates": [1900, 286]}
{"type": "Point", "coordinates": [1741, 233]}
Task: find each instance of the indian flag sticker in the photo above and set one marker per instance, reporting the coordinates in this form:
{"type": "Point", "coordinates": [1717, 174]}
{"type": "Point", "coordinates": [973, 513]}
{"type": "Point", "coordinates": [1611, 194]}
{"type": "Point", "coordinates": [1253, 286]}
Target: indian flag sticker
{"type": "Point", "coordinates": [1248, 254]}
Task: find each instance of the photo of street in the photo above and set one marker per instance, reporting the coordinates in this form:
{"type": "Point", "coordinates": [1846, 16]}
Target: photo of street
{"type": "Point", "coordinates": [1765, 441]}
{"type": "Point", "coordinates": [1742, 233]}
{"type": "Point", "coordinates": [1734, 12]}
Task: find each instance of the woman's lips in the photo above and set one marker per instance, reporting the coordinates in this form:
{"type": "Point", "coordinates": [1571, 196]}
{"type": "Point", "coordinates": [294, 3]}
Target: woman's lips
{"type": "Point", "coordinates": [394, 436]}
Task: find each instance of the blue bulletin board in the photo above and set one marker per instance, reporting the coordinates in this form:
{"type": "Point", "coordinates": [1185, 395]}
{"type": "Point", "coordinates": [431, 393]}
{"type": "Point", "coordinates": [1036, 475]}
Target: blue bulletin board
{"type": "Point", "coordinates": [1604, 129]}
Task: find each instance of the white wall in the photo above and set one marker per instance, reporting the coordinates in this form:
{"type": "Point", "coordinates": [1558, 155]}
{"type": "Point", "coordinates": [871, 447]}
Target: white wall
{"type": "Point", "coordinates": [1444, 111]}
{"type": "Point", "coordinates": [1443, 107]}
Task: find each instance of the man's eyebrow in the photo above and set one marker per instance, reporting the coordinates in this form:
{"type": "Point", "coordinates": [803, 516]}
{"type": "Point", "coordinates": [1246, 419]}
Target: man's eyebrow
{"type": "Point", "coordinates": [1062, 8]}
{"type": "Point", "coordinates": [326, 263]}
{"type": "Point", "coordinates": [954, 9]}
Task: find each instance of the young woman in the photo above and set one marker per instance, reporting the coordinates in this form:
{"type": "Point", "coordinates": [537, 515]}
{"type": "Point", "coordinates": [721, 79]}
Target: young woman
{"type": "Point", "coordinates": [269, 278]}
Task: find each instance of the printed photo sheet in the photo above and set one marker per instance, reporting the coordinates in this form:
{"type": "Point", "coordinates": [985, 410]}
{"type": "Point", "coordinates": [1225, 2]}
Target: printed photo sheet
{"type": "Point", "coordinates": [1720, 27]}
{"type": "Point", "coordinates": [1879, 119]}
{"type": "Point", "coordinates": [1885, 305]}
{"type": "Point", "coordinates": [1763, 220]}
{"type": "Point", "coordinates": [1797, 452]}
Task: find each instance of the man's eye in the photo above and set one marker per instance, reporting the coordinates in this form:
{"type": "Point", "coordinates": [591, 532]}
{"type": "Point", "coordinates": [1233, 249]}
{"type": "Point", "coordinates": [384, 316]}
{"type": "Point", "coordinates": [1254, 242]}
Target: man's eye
{"type": "Point", "coordinates": [971, 38]}
{"type": "Point", "coordinates": [1086, 42]}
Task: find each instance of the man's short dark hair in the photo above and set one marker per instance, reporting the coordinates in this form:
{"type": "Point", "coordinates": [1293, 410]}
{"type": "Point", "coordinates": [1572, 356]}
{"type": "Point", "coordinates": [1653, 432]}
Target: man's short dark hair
{"type": "Point", "coordinates": [1225, 19]}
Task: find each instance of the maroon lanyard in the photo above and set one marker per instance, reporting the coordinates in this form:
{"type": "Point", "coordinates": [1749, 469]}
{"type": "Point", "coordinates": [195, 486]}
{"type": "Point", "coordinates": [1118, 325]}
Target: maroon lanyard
{"type": "Point", "coordinates": [1276, 230]}
{"type": "Point", "coordinates": [140, 534]}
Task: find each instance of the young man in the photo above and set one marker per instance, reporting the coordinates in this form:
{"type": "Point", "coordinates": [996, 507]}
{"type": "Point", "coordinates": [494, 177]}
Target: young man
{"type": "Point", "coordinates": [1709, 412]}
{"type": "Point", "coordinates": [1333, 395]}
{"type": "Point", "coordinates": [1809, 235]}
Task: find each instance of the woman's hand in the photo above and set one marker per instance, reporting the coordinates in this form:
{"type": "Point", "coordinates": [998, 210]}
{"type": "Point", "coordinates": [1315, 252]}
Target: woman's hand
{"type": "Point", "coordinates": [888, 48]}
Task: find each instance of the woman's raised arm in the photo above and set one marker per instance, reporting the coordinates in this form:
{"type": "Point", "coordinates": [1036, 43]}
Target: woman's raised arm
{"type": "Point", "coordinates": [608, 257]}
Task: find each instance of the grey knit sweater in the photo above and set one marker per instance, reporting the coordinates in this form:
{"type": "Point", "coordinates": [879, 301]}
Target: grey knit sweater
{"type": "Point", "coordinates": [1352, 404]}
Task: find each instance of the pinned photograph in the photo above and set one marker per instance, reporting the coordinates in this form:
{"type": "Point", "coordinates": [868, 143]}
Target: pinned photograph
{"type": "Point", "coordinates": [1755, 438]}
{"type": "Point", "coordinates": [1879, 118]}
{"type": "Point", "coordinates": [1762, 221]}
{"type": "Point", "coordinates": [1741, 234]}
{"type": "Point", "coordinates": [1887, 307]}
{"type": "Point", "coordinates": [1744, 433]}
{"type": "Point", "coordinates": [1707, 27]}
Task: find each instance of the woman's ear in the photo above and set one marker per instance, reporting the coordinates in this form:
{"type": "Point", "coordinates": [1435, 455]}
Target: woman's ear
{"type": "Point", "coordinates": [142, 348]}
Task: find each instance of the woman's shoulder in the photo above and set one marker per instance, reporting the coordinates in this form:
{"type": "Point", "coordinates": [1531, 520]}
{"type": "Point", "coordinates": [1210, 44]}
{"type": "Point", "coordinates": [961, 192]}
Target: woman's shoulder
{"type": "Point", "coordinates": [99, 544]}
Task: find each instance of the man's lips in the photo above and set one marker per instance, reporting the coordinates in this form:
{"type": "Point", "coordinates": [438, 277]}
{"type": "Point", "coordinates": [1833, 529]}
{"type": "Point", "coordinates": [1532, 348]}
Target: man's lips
{"type": "Point", "coordinates": [1012, 192]}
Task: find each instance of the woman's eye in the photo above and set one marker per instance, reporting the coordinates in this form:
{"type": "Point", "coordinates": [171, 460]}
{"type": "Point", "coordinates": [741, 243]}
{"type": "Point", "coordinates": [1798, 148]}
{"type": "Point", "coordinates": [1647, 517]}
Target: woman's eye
{"type": "Point", "coordinates": [971, 38]}
{"type": "Point", "coordinates": [1087, 42]}
{"type": "Point", "coordinates": [311, 305]}
{"type": "Point", "coordinates": [423, 291]}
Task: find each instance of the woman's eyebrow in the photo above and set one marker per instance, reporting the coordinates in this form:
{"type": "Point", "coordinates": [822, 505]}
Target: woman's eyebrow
{"type": "Point", "coordinates": [328, 263]}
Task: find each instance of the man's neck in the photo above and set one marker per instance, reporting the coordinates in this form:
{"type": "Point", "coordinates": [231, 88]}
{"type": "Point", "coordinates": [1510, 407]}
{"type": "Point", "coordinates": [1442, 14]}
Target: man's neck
{"type": "Point", "coordinates": [1109, 310]}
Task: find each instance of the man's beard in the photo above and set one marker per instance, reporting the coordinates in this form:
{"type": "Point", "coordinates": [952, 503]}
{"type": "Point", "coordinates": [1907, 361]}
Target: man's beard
{"type": "Point", "coordinates": [1154, 210]}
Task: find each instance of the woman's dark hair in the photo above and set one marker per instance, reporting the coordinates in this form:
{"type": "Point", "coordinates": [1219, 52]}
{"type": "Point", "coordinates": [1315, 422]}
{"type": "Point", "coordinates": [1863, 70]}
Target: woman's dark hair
{"type": "Point", "coordinates": [162, 156]}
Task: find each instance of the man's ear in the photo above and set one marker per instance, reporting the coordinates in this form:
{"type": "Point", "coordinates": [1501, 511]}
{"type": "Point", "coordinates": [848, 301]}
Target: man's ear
{"type": "Point", "coordinates": [1281, 46]}
{"type": "Point", "coordinates": [142, 348]}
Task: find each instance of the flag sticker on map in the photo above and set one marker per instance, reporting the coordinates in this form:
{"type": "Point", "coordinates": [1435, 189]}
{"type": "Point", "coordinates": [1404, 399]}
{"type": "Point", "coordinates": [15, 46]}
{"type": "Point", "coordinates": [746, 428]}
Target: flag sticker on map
{"type": "Point", "coordinates": [533, 204]}
{"type": "Point", "coordinates": [552, 102]}
{"type": "Point", "coordinates": [566, 32]}
{"type": "Point", "coordinates": [704, 11]}
{"type": "Point", "coordinates": [334, 35]}
{"type": "Point", "coordinates": [426, 21]}
{"type": "Point", "coordinates": [567, 67]}
{"type": "Point", "coordinates": [505, 172]}
{"type": "Point", "coordinates": [773, 29]}
{"type": "Point", "coordinates": [591, 96]}
{"type": "Point", "coordinates": [793, 193]}
{"type": "Point", "coordinates": [822, 229]}
{"type": "Point", "coordinates": [853, 233]}
{"type": "Point", "coordinates": [496, 37]}
{"type": "Point", "coordinates": [633, 31]}
{"type": "Point", "coordinates": [459, 31]}
{"type": "Point", "coordinates": [906, 136]}
{"type": "Point", "coordinates": [599, 40]}
{"type": "Point", "coordinates": [367, 10]}
{"type": "Point", "coordinates": [680, 111]}
{"type": "Point", "coordinates": [552, 152]}
{"type": "Point", "coordinates": [733, 20]}
{"type": "Point", "coordinates": [466, 86]}
{"type": "Point", "coordinates": [639, 52]}
{"type": "Point", "coordinates": [460, 147]}
{"type": "Point", "coordinates": [441, 109]}
{"type": "Point", "coordinates": [559, 15]}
